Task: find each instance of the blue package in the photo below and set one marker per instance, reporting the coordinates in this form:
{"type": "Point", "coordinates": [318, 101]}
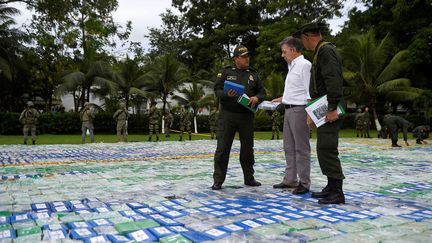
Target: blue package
{"type": "Point", "coordinates": [239, 89]}
{"type": "Point", "coordinates": [142, 236]}
{"type": "Point", "coordinates": [39, 206]}
{"type": "Point", "coordinates": [53, 227]}
{"type": "Point", "coordinates": [178, 229]}
{"type": "Point", "coordinates": [20, 217]}
{"type": "Point", "coordinates": [248, 224]}
{"type": "Point", "coordinates": [136, 205]}
{"type": "Point", "coordinates": [7, 234]}
{"type": "Point", "coordinates": [160, 231]}
{"type": "Point", "coordinates": [55, 234]}
{"type": "Point", "coordinates": [145, 211]}
{"type": "Point", "coordinates": [232, 228]}
{"type": "Point", "coordinates": [98, 238]}
{"type": "Point", "coordinates": [174, 214]}
{"type": "Point", "coordinates": [196, 236]}
{"type": "Point", "coordinates": [81, 233]}
{"type": "Point", "coordinates": [100, 222]}
{"type": "Point", "coordinates": [128, 213]}
{"type": "Point", "coordinates": [168, 222]}
{"type": "Point", "coordinates": [118, 238]}
{"type": "Point", "coordinates": [77, 225]}
{"type": "Point", "coordinates": [102, 209]}
{"type": "Point", "coordinates": [40, 215]}
{"type": "Point", "coordinates": [216, 234]}
{"type": "Point", "coordinates": [4, 220]}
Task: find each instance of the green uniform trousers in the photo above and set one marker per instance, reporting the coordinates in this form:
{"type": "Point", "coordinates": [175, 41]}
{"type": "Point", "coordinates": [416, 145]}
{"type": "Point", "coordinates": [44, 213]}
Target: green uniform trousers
{"type": "Point", "coordinates": [228, 124]}
{"type": "Point", "coordinates": [327, 149]}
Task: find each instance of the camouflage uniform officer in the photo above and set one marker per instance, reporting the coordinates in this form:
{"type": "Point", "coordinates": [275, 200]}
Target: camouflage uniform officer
{"type": "Point", "coordinates": [394, 123]}
{"type": "Point", "coordinates": [121, 117]}
{"type": "Point", "coordinates": [154, 117]}
{"type": "Point", "coordinates": [185, 122]}
{"type": "Point", "coordinates": [87, 116]}
{"type": "Point", "coordinates": [168, 120]}
{"type": "Point", "coordinates": [366, 122]}
{"type": "Point", "coordinates": [359, 122]}
{"type": "Point", "coordinates": [276, 119]}
{"type": "Point", "coordinates": [213, 122]}
{"type": "Point", "coordinates": [29, 119]}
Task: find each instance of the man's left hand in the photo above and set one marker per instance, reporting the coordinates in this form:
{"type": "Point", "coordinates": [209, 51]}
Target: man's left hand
{"type": "Point", "coordinates": [332, 116]}
{"type": "Point", "coordinates": [253, 101]}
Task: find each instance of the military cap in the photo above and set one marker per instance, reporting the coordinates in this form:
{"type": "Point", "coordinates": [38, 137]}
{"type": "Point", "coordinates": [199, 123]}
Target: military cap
{"type": "Point", "coordinates": [240, 50]}
{"type": "Point", "coordinates": [315, 27]}
{"type": "Point", "coordinates": [30, 103]}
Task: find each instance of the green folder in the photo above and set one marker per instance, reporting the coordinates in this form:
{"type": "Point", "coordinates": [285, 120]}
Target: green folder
{"type": "Point", "coordinates": [244, 101]}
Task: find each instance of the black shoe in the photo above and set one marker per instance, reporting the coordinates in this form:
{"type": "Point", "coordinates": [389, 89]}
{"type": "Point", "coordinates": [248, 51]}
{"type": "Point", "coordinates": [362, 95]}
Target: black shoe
{"type": "Point", "coordinates": [34, 142]}
{"type": "Point", "coordinates": [281, 186]}
{"type": "Point", "coordinates": [253, 183]}
{"type": "Point", "coordinates": [157, 139]}
{"type": "Point", "coordinates": [149, 139]}
{"type": "Point", "coordinates": [396, 146]}
{"type": "Point", "coordinates": [216, 186]}
{"type": "Point", "coordinates": [300, 190]}
{"type": "Point", "coordinates": [324, 193]}
{"type": "Point", "coordinates": [335, 197]}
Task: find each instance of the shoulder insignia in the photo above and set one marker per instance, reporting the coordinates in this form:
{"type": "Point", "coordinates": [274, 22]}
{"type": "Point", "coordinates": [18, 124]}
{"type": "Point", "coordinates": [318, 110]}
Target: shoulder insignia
{"type": "Point", "coordinates": [251, 77]}
{"type": "Point", "coordinates": [219, 75]}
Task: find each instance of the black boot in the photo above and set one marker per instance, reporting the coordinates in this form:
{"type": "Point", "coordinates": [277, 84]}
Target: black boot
{"type": "Point", "coordinates": [190, 137]}
{"type": "Point", "coordinates": [34, 142]}
{"type": "Point", "coordinates": [278, 137]}
{"type": "Point", "coordinates": [325, 191]}
{"type": "Point", "coordinates": [272, 137]}
{"type": "Point", "coordinates": [149, 139]}
{"type": "Point", "coordinates": [336, 195]}
{"type": "Point", "coordinates": [157, 138]}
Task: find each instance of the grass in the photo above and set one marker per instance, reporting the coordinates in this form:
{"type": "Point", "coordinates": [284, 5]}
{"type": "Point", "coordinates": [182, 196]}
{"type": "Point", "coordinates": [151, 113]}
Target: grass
{"type": "Point", "coordinates": [104, 138]}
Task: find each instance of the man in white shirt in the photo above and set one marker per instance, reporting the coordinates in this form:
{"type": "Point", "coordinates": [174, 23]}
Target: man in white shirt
{"type": "Point", "coordinates": [295, 129]}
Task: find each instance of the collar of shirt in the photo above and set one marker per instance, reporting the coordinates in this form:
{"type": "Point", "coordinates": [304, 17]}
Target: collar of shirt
{"type": "Point", "coordinates": [293, 62]}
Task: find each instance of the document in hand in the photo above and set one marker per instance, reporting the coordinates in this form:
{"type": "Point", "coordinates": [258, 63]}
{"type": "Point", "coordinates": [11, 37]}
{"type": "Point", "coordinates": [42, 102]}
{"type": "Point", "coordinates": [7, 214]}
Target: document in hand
{"type": "Point", "coordinates": [268, 105]}
{"type": "Point", "coordinates": [239, 89]}
{"type": "Point", "coordinates": [244, 101]}
{"type": "Point", "coordinates": [317, 110]}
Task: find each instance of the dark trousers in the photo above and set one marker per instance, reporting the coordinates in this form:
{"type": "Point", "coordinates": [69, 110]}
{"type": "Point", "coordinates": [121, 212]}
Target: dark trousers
{"type": "Point", "coordinates": [393, 134]}
{"type": "Point", "coordinates": [228, 124]}
{"type": "Point", "coordinates": [327, 150]}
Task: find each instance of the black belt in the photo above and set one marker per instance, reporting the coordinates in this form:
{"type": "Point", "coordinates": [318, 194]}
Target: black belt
{"type": "Point", "coordinates": [292, 106]}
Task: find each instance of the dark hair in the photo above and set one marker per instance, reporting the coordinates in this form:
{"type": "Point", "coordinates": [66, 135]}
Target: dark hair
{"type": "Point", "coordinates": [293, 43]}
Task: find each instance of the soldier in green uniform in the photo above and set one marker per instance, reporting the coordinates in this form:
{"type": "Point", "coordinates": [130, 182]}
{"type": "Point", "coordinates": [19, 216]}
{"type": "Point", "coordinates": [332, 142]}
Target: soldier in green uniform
{"type": "Point", "coordinates": [185, 122]}
{"type": "Point", "coordinates": [213, 122]}
{"type": "Point", "coordinates": [29, 118]}
{"type": "Point", "coordinates": [234, 117]}
{"type": "Point", "coordinates": [276, 120]}
{"type": "Point", "coordinates": [168, 121]}
{"type": "Point", "coordinates": [87, 116]}
{"type": "Point", "coordinates": [366, 122]}
{"type": "Point", "coordinates": [394, 123]}
{"type": "Point", "coordinates": [154, 117]}
{"type": "Point", "coordinates": [326, 79]}
{"type": "Point", "coordinates": [121, 117]}
{"type": "Point", "coordinates": [359, 122]}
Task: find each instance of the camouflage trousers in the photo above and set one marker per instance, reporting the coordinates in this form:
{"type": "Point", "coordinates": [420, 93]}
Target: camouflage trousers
{"type": "Point", "coordinates": [185, 127]}
{"type": "Point", "coordinates": [32, 129]}
{"type": "Point", "coordinates": [84, 127]}
{"type": "Point", "coordinates": [154, 128]}
{"type": "Point", "coordinates": [122, 130]}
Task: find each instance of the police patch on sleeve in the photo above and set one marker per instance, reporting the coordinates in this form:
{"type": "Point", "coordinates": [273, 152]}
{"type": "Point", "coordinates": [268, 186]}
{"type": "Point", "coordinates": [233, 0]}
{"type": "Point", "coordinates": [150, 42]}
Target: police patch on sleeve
{"type": "Point", "coordinates": [219, 75]}
{"type": "Point", "coordinates": [251, 78]}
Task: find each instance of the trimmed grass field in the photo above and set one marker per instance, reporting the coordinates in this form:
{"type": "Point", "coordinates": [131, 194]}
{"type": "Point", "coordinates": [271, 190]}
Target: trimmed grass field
{"type": "Point", "coordinates": [111, 138]}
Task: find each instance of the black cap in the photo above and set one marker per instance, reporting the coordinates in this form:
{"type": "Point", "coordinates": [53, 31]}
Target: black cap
{"type": "Point", "coordinates": [240, 50]}
{"type": "Point", "coordinates": [315, 27]}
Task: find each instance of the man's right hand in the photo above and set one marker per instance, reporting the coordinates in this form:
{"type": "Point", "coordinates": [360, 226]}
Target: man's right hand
{"type": "Point", "coordinates": [232, 93]}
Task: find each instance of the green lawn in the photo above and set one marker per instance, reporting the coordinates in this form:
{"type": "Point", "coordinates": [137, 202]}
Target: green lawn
{"type": "Point", "coordinates": [103, 138]}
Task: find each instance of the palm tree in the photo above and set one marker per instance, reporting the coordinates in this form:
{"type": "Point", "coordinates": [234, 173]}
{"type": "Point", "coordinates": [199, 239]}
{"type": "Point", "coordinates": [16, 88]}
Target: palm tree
{"type": "Point", "coordinates": [164, 75]}
{"type": "Point", "coordinates": [79, 83]}
{"type": "Point", "coordinates": [373, 73]}
{"type": "Point", "coordinates": [424, 101]}
{"type": "Point", "coordinates": [195, 97]}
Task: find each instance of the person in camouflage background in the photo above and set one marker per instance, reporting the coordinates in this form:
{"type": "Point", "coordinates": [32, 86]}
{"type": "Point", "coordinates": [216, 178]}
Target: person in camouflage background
{"type": "Point", "coordinates": [121, 117]}
{"type": "Point", "coordinates": [87, 116]}
{"type": "Point", "coordinates": [29, 119]}
{"type": "Point", "coordinates": [185, 122]}
{"type": "Point", "coordinates": [276, 120]}
{"type": "Point", "coordinates": [154, 117]}
{"type": "Point", "coordinates": [359, 123]}
{"type": "Point", "coordinates": [366, 122]}
{"type": "Point", "coordinates": [168, 120]}
{"type": "Point", "coordinates": [213, 118]}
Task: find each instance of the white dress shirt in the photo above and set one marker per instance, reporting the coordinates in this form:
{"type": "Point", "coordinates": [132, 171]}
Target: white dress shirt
{"type": "Point", "coordinates": [297, 81]}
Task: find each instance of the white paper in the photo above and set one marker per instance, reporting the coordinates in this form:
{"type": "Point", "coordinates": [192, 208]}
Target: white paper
{"type": "Point", "coordinates": [317, 111]}
{"type": "Point", "coordinates": [268, 105]}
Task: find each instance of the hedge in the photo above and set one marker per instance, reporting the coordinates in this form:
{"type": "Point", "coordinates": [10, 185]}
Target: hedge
{"type": "Point", "coordinates": [69, 123]}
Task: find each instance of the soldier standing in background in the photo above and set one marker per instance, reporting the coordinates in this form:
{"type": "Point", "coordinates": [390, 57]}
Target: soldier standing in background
{"type": "Point", "coordinates": [154, 117]}
{"type": "Point", "coordinates": [213, 118]}
{"type": "Point", "coordinates": [168, 120]}
{"type": "Point", "coordinates": [366, 122]}
{"type": "Point", "coordinates": [359, 122]}
{"type": "Point", "coordinates": [121, 116]}
{"type": "Point", "coordinates": [276, 119]}
{"type": "Point", "coordinates": [185, 122]}
{"type": "Point", "coordinates": [87, 116]}
{"type": "Point", "coordinates": [29, 119]}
